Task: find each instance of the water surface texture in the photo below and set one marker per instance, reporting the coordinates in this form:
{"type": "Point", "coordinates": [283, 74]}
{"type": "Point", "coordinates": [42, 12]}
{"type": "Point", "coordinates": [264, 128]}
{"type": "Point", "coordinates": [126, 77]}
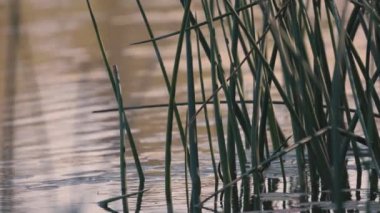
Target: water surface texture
{"type": "Point", "coordinates": [58, 156]}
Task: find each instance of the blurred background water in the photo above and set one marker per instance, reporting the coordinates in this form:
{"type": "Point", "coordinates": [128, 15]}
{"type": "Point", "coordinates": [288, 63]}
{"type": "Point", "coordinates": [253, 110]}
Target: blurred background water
{"type": "Point", "coordinates": [58, 156]}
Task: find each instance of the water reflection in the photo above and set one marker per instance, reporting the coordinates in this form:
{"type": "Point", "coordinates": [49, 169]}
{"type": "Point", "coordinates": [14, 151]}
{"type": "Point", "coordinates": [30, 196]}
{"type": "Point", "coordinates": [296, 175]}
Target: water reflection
{"type": "Point", "coordinates": [6, 148]}
{"type": "Point", "coordinates": [50, 142]}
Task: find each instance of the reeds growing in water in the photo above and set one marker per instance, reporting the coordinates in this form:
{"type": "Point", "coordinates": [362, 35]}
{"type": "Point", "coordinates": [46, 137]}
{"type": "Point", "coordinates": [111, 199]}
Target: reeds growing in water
{"type": "Point", "coordinates": [262, 54]}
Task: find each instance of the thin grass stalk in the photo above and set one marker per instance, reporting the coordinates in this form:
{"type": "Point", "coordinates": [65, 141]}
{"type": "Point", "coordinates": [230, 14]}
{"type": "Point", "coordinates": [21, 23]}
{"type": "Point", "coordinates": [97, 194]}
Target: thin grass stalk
{"type": "Point", "coordinates": [308, 108]}
{"type": "Point", "coordinates": [233, 137]}
{"type": "Point", "coordinates": [372, 10]}
{"type": "Point", "coordinates": [365, 71]}
{"type": "Point", "coordinates": [169, 126]}
{"type": "Point", "coordinates": [235, 133]}
{"type": "Point", "coordinates": [212, 7]}
{"type": "Point", "coordinates": [193, 140]}
{"type": "Point", "coordinates": [261, 133]}
{"type": "Point", "coordinates": [228, 18]}
{"type": "Point", "coordinates": [276, 82]}
{"type": "Point", "coordinates": [276, 154]}
{"type": "Point", "coordinates": [220, 71]}
{"type": "Point", "coordinates": [119, 99]}
{"type": "Point", "coordinates": [205, 103]}
{"type": "Point", "coordinates": [245, 189]}
{"type": "Point", "coordinates": [226, 39]}
{"type": "Point", "coordinates": [359, 169]}
{"type": "Point", "coordinates": [373, 184]}
{"type": "Point", "coordinates": [337, 118]}
{"type": "Point", "coordinates": [230, 131]}
{"type": "Point", "coordinates": [247, 17]}
{"type": "Point", "coordinates": [164, 73]}
{"type": "Point", "coordinates": [209, 136]}
{"type": "Point", "coordinates": [202, 38]}
{"type": "Point", "coordinates": [368, 60]}
{"type": "Point", "coordinates": [186, 163]}
{"type": "Point", "coordinates": [231, 107]}
{"type": "Point", "coordinates": [245, 126]}
{"type": "Point", "coordinates": [217, 113]}
{"type": "Point", "coordinates": [322, 70]}
{"type": "Point", "coordinates": [168, 86]}
{"type": "Point", "coordinates": [260, 112]}
{"type": "Point", "coordinates": [241, 115]}
{"type": "Point", "coordinates": [197, 25]}
{"type": "Point", "coordinates": [115, 87]}
{"type": "Point", "coordinates": [250, 60]}
{"type": "Point", "coordinates": [232, 93]}
{"type": "Point", "coordinates": [135, 155]}
{"type": "Point", "coordinates": [308, 90]}
{"type": "Point", "coordinates": [331, 29]}
{"type": "Point", "coordinates": [104, 203]}
{"type": "Point", "coordinates": [355, 149]}
{"type": "Point", "coordinates": [339, 167]}
{"type": "Point", "coordinates": [366, 119]}
{"type": "Point", "coordinates": [265, 90]}
{"type": "Point", "coordinates": [363, 68]}
{"type": "Point", "coordinates": [298, 128]}
{"type": "Point", "coordinates": [376, 58]}
{"type": "Point", "coordinates": [254, 154]}
{"type": "Point", "coordinates": [322, 75]}
{"type": "Point", "coordinates": [371, 51]}
{"type": "Point", "coordinates": [370, 126]}
{"type": "Point", "coordinates": [277, 136]}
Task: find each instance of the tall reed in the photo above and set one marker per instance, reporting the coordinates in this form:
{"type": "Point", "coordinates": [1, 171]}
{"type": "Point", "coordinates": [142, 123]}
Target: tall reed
{"type": "Point", "coordinates": [124, 130]}
{"type": "Point", "coordinates": [302, 55]}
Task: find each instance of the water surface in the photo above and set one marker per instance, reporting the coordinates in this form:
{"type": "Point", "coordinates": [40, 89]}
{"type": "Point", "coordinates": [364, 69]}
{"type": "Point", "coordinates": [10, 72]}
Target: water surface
{"type": "Point", "coordinates": [58, 156]}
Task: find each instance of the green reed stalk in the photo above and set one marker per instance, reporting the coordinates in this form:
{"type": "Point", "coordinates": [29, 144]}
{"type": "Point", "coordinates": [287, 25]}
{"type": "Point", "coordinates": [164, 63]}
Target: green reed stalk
{"type": "Point", "coordinates": [217, 114]}
{"type": "Point", "coordinates": [115, 87]}
{"type": "Point", "coordinates": [276, 154]}
{"type": "Point", "coordinates": [135, 155]}
{"type": "Point", "coordinates": [167, 82]}
{"type": "Point", "coordinates": [122, 143]}
{"type": "Point", "coordinates": [186, 163]}
{"type": "Point", "coordinates": [169, 126]}
{"type": "Point", "coordinates": [232, 131]}
{"type": "Point", "coordinates": [208, 129]}
{"type": "Point", "coordinates": [193, 140]}
{"type": "Point", "coordinates": [196, 25]}
{"type": "Point", "coordinates": [322, 123]}
{"type": "Point", "coordinates": [164, 72]}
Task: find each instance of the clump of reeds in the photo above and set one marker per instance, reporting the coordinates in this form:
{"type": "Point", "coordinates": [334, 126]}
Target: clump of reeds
{"type": "Point", "coordinates": [279, 48]}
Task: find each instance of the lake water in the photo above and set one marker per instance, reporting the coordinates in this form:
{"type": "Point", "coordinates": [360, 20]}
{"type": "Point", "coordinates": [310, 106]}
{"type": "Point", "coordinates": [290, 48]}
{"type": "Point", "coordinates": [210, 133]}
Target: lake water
{"type": "Point", "coordinates": [58, 156]}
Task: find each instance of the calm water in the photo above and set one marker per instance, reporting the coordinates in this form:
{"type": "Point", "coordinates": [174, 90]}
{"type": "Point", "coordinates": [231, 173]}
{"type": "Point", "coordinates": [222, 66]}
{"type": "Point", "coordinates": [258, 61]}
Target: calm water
{"type": "Point", "coordinates": [55, 154]}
